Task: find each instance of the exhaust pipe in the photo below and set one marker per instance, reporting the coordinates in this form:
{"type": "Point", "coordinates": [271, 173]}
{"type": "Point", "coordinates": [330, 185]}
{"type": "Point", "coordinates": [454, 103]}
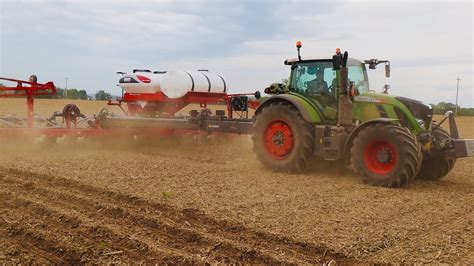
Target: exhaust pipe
{"type": "Point", "coordinates": [339, 62]}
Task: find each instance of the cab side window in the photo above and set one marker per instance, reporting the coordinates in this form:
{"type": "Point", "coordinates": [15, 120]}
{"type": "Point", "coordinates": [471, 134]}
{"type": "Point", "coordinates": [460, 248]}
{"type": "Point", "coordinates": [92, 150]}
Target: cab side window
{"type": "Point", "coordinates": [302, 78]}
{"type": "Point", "coordinates": [357, 76]}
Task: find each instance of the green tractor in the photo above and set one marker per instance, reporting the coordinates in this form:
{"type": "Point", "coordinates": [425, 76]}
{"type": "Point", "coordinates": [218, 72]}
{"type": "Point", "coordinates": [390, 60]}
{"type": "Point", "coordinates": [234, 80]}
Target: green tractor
{"type": "Point", "coordinates": [327, 111]}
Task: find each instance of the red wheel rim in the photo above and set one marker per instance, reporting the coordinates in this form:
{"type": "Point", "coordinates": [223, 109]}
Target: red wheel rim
{"type": "Point", "coordinates": [380, 157]}
{"type": "Point", "coordinates": [278, 139]}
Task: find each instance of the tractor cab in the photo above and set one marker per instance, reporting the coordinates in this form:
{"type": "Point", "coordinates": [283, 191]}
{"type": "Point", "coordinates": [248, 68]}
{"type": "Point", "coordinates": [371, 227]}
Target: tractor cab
{"type": "Point", "coordinates": [317, 79]}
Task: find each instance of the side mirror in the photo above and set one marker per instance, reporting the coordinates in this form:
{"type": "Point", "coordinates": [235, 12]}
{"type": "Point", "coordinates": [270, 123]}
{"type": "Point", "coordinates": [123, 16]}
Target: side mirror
{"type": "Point", "coordinates": [336, 62]}
{"type": "Point", "coordinates": [387, 69]}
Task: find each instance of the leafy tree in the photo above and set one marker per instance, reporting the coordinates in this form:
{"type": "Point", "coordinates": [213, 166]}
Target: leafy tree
{"type": "Point", "coordinates": [71, 94]}
{"type": "Point", "coordinates": [466, 111]}
{"type": "Point", "coordinates": [103, 96]}
{"type": "Point", "coordinates": [82, 94]}
{"type": "Point", "coordinates": [443, 107]}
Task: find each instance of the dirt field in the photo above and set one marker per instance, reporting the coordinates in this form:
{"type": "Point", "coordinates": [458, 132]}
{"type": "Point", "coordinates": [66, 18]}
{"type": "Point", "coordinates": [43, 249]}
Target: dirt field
{"type": "Point", "coordinates": [186, 201]}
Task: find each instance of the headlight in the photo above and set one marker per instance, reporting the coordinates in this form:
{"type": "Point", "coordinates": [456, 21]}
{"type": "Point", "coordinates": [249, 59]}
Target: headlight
{"type": "Point", "coordinates": [421, 122]}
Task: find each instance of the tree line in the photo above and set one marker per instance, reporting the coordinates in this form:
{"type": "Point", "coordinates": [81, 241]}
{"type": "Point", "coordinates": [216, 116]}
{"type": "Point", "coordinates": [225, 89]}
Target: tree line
{"type": "Point", "coordinates": [443, 107]}
{"type": "Point", "coordinates": [75, 94]}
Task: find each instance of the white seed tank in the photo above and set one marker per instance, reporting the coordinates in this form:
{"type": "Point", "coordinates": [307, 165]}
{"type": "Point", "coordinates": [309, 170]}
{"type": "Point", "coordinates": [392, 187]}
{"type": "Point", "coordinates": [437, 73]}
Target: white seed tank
{"type": "Point", "coordinates": [141, 82]}
{"type": "Point", "coordinates": [174, 83]}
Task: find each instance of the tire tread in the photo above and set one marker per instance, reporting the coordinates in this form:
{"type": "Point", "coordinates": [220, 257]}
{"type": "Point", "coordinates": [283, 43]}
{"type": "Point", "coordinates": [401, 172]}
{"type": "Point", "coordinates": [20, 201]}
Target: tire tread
{"type": "Point", "coordinates": [409, 154]}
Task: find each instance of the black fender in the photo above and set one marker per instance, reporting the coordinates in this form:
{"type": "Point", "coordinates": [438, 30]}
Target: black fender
{"type": "Point", "coordinates": [307, 108]}
{"type": "Point", "coordinates": [353, 134]}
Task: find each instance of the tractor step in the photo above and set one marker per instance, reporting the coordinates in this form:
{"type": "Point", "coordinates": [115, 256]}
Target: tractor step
{"type": "Point", "coordinates": [331, 154]}
{"type": "Point", "coordinates": [330, 142]}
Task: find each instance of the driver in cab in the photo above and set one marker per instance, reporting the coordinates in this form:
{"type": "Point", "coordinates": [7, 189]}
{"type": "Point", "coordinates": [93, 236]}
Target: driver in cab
{"type": "Point", "coordinates": [317, 86]}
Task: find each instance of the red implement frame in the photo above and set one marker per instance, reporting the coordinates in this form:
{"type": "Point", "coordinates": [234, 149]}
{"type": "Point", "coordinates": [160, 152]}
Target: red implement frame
{"type": "Point", "coordinates": [29, 89]}
{"type": "Point", "coordinates": [172, 106]}
{"type": "Point", "coordinates": [160, 103]}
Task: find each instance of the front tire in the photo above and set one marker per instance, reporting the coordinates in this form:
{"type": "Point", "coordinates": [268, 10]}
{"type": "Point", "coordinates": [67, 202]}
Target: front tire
{"type": "Point", "coordinates": [386, 155]}
{"type": "Point", "coordinates": [282, 140]}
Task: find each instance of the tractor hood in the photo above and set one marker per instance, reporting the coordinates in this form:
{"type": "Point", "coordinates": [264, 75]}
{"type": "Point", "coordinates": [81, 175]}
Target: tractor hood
{"type": "Point", "coordinates": [408, 110]}
{"type": "Point", "coordinates": [418, 109]}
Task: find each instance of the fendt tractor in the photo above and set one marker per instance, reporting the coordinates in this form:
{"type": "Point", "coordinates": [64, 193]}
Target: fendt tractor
{"type": "Point", "coordinates": [327, 111]}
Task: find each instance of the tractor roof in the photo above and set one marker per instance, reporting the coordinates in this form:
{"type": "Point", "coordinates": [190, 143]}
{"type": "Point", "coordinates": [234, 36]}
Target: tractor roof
{"type": "Point", "coordinates": [292, 61]}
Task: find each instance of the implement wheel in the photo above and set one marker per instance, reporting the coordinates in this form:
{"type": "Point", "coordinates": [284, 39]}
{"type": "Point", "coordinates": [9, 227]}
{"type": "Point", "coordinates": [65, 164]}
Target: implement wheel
{"type": "Point", "coordinates": [386, 155]}
{"type": "Point", "coordinates": [434, 165]}
{"type": "Point", "coordinates": [282, 139]}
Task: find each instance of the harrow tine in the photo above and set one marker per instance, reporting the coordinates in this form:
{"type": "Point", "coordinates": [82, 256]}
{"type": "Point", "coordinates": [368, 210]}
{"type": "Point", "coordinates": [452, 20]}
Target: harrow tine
{"type": "Point", "coordinates": [18, 117]}
{"type": "Point", "coordinates": [44, 141]}
{"type": "Point", "coordinates": [3, 121]}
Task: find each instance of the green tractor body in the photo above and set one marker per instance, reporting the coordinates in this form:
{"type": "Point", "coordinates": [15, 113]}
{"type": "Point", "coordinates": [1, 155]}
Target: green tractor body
{"type": "Point", "coordinates": [327, 111]}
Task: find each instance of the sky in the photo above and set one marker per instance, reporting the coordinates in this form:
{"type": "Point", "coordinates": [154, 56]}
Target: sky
{"type": "Point", "coordinates": [429, 43]}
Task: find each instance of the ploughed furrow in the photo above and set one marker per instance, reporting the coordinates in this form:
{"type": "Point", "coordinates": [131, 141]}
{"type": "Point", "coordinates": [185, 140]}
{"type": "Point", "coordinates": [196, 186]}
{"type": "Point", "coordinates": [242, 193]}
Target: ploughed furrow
{"type": "Point", "coordinates": [65, 238]}
{"type": "Point", "coordinates": [21, 238]}
{"type": "Point", "coordinates": [189, 230]}
{"type": "Point", "coordinates": [454, 231]}
{"type": "Point", "coordinates": [139, 227]}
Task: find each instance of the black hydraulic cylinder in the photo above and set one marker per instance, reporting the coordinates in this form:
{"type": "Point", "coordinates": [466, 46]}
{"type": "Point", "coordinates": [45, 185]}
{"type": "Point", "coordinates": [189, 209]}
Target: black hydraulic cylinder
{"type": "Point", "coordinates": [345, 101]}
{"type": "Point", "coordinates": [343, 81]}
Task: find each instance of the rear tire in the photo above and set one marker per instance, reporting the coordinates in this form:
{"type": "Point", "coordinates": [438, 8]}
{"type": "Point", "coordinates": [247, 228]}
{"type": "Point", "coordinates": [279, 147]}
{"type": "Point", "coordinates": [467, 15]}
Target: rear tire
{"type": "Point", "coordinates": [386, 155]}
{"type": "Point", "coordinates": [434, 165]}
{"type": "Point", "coordinates": [282, 140]}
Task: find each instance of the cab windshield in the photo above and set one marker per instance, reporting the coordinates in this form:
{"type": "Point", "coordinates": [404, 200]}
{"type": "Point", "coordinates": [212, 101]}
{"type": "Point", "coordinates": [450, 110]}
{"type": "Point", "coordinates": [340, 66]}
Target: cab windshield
{"type": "Point", "coordinates": [317, 79]}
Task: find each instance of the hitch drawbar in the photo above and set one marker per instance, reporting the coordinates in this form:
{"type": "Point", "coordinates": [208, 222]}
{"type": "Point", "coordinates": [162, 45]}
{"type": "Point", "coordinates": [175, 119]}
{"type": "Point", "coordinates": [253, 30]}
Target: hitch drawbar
{"type": "Point", "coordinates": [463, 147]}
{"type": "Point", "coordinates": [460, 147]}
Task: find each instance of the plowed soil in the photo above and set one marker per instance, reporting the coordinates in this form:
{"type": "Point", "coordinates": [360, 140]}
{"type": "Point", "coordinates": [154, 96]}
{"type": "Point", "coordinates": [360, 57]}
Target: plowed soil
{"type": "Point", "coordinates": [198, 201]}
